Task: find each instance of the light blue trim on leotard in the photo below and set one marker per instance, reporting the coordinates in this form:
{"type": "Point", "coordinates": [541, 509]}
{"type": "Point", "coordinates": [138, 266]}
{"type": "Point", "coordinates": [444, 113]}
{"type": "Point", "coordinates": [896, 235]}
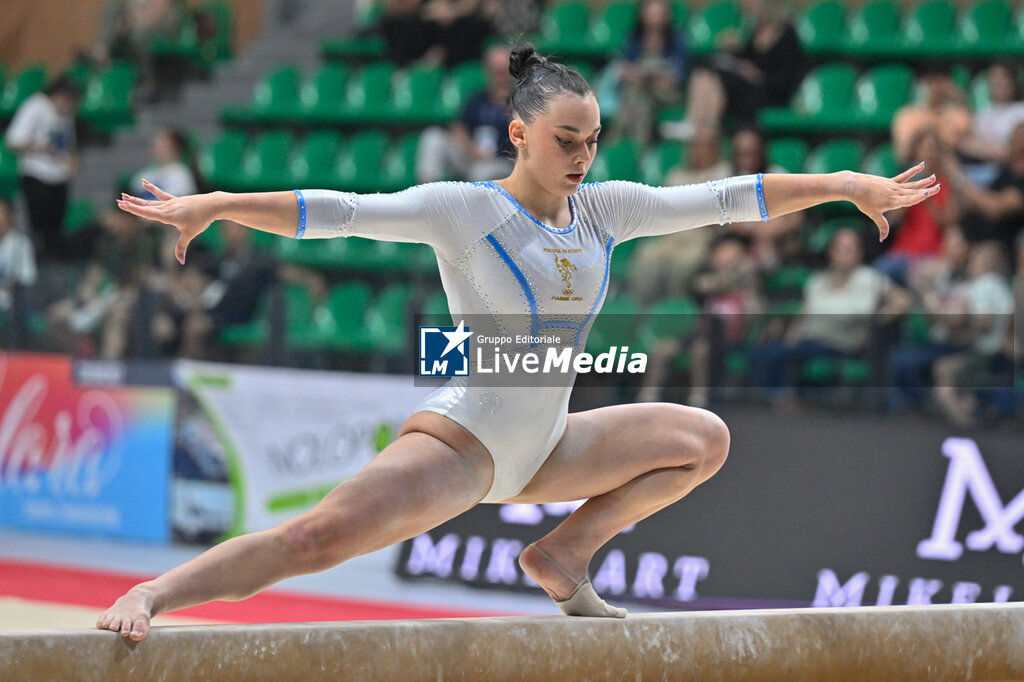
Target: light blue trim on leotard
{"type": "Point", "coordinates": [760, 197]}
{"type": "Point", "coordinates": [604, 285]}
{"type": "Point", "coordinates": [301, 230]}
{"type": "Point", "coordinates": [521, 278]}
{"type": "Point", "coordinates": [555, 230]}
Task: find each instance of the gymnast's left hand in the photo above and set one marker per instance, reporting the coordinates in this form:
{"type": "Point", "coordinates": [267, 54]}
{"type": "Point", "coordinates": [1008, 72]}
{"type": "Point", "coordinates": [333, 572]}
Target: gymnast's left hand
{"type": "Point", "coordinates": [190, 215]}
{"type": "Point", "coordinates": [875, 195]}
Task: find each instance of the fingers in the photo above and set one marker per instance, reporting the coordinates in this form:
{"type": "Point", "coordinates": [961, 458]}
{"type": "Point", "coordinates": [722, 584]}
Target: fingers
{"type": "Point", "coordinates": [180, 247]}
{"type": "Point", "coordinates": [909, 173]}
{"type": "Point", "coordinates": [147, 212]}
{"type": "Point", "coordinates": [157, 192]}
{"type": "Point", "coordinates": [883, 226]}
{"type": "Point", "coordinates": [128, 198]}
{"type": "Point", "coordinates": [919, 184]}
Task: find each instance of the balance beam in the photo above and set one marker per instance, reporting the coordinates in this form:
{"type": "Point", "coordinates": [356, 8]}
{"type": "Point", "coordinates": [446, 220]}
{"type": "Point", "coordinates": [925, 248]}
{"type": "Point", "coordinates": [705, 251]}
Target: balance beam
{"type": "Point", "coordinates": [964, 642]}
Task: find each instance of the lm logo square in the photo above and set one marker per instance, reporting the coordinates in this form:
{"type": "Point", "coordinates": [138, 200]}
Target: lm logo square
{"type": "Point", "coordinates": [444, 351]}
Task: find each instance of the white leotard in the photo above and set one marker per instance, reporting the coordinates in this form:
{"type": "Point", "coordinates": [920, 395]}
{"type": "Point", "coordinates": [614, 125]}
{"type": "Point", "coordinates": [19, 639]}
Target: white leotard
{"type": "Point", "coordinates": [497, 260]}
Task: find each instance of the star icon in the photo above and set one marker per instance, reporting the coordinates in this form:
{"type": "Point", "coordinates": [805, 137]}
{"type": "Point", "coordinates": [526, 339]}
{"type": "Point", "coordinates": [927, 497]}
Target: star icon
{"type": "Point", "coordinates": [455, 338]}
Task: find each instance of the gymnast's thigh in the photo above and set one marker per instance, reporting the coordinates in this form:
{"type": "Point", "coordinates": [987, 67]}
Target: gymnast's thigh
{"type": "Point", "coordinates": [605, 448]}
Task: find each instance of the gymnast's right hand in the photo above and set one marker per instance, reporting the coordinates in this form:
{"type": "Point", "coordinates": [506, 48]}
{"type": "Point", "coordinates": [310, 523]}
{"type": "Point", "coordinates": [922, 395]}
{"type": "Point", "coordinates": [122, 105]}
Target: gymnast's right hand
{"type": "Point", "coordinates": [190, 215]}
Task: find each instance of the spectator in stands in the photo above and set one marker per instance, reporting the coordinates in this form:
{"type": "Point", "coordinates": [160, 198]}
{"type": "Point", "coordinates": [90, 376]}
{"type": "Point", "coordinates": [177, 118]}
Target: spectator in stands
{"type": "Point", "coordinates": [663, 266]}
{"type": "Point", "coordinates": [741, 78]}
{"type": "Point", "coordinates": [440, 32]}
{"type": "Point", "coordinates": [985, 333]}
{"type": "Point", "coordinates": [42, 133]}
{"type": "Point", "coordinates": [944, 272]}
{"type": "Point", "coordinates": [475, 147]}
{"type": "Point", "coordinates": [128, 30]}
{"type": "Point", "coordinates": [728, 290]}
{"type": "Point", "coordinates": [768, 239]}
{"type": "Point", "coordinates": [407, 33]}
{"type": "Point", "coordinates": [235, 285]}
{"type": "Point", "coordinates": [994, 121]}
{"type": "Point", "coordinates": [918, 232]}
{"type": "Point", "coordinates": [996, 212]}
{"type": "Point", "coordinates": [168, 170]}
{"type": "Point", "coordinates": [651, 72]}
{"type": "Point", "coordinates": [122, 261]}
{"type": "Point", "coordinates": [17, 259]}
{"type": "Point", "coordinates": [943, 109]}
{"type": "Point", "coordinates": [953, 303]}
{"type": "Point", "coordinates": [839, 308]}
{"type": "Point", "coordinates": [514, 17]}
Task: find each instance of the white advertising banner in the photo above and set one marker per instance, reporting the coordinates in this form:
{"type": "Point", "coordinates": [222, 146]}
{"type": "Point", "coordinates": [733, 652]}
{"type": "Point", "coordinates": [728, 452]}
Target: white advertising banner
{"type": "Point", "coordinates": [289, 436]}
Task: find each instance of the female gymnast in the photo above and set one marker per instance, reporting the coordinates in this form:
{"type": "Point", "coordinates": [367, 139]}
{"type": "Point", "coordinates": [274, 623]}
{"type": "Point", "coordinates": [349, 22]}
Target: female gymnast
{"type": "Point", "coordinates": [467, 444]}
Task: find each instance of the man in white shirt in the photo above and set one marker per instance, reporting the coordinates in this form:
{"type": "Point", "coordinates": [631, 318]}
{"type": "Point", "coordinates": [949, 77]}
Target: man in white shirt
{"type": "Point", "coordinates": [42, 133]}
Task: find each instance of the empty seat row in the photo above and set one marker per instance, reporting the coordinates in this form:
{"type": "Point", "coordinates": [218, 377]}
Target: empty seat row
{"type": "Point", "coordinates": [368, 161]}
{"type": "Point", "coordinates": [378, 94]}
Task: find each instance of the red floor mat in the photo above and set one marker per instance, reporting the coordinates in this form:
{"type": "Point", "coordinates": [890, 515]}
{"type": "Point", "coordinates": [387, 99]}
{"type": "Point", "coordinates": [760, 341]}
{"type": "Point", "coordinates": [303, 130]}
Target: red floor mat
{"type": "Point", "coordinates": [99, 589]}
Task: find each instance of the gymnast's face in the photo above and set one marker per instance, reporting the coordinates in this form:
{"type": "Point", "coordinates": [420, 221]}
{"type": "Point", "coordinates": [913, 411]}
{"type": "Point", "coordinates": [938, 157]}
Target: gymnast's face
{"type": "Point", "coordinates": [560, 144]}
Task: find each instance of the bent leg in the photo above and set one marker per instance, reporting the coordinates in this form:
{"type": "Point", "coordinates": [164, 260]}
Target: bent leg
{"type": "Point", "coordinates": [415, 484]}
{"type": "Point", "coordinates": [631, 461]}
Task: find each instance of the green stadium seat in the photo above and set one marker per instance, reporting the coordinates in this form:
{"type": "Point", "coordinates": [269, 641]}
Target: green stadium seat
{"type": "Point", "coordinates": [609, 32]}
{"type": "Point", "coordinates": [8, 173]}
{"type": "Point", "coordinates": [715, 17]}
{"type": "Point", "coordinates": [985, 30]}
{"type": "Point", "coordinates": [822, 102]}
{"type": "Point", "coordinates": [615, 325]}
{"type": "Point", "coordinates": [109, 99]}
{"type": "Point", "coordinates": [788, 152]}
{"type": "Point", "coordinates": [435, 311]}
{"type": "Point", "coordinates": [339, 323]}
{"type": "Point", "coordinates": [354, 48]}
{"type": "Point", "coordinates": [977, 91]}
{"type": "Point", "coordinates": [275, 99]}
{"type": "Point", "coordinates": [874, 30]}
{"type": "Point", "coordinates": [388, 318]}
{"type": "Point", "coordinates": [819, 240]}
{"type": "Point", "coordinates": [929, 31]}
{"type": "Point", "coordinates": [822, 27]}
{"type": "Point", "coordinates": [298, 315]}
{"type": "Point", "coordinates": [360, 164]}
{"type": "Point", "coordinates": [368, 95]}
{"type": "Point", "coordinates": [789, 280]}
{"type": "Point", "coordinates": [622, 259]}
{"type": "Point", "coordinates": [251, 333]}
{"type": "Point", "coordinates": [220, 161]}
{"type": "Point", "coordinates": [880, 92]}
{"type": "Point", "coordinates": [314, 158]}
{"type": "Point", "coordinates": [660, 159]}
{"type": "Point", "coordinates": [313, 253]}
{"type": "Point", "coordinates": [17, 88]}
{"type": "Point", "coordinates": [564, 29]}
{"type": "Point", "coordinates": [80, 215]}
{"type": "Point", "coordinates": [823, 371]}
{"type": "Point", "coordinates": [616, 161]}
{"type": "Point", "coordinates": [462, 82]}
{"type": "Point", "coordinates": [218, 47]}
{"type": "Point", "coordinates": [881, 161]}
{"type": "Point", "coordinates": [265, 162]}
{"type": "Point", "coordinates": [680, 16]}
{"type": "Point", "coordinates": [415, 95]}
{"type": "Point", "coordinates": [400, 164]}
{"type": "Point", "coordinates": [79, 72]}
{"type": "Point", "coordinates": [835, 155]}
{"type": "Point", "coordinates": [669, 318]}
{"type": "Point", "coordinates": [322, 96]}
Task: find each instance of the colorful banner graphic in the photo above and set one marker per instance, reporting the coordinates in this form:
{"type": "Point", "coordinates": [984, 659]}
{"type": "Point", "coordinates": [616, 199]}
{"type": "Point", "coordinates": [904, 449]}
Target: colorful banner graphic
{"type": "Point", "coordinates": [286, 436]}
{"type": "Point", "coordinates": [80, 458]}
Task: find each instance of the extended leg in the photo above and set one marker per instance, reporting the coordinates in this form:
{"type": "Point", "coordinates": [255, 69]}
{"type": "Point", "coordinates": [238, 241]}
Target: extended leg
{"type": "Point", "coordinates": [416, 483]}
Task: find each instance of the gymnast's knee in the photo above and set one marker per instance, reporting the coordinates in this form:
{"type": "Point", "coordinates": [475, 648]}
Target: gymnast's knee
{"type": "Point", "coordinates": [313, 541]}
{"type": "Point", "coordinates": [704, 440]}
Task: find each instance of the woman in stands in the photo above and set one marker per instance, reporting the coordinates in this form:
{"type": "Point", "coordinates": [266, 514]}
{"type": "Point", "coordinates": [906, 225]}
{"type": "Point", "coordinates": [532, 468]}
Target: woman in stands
{"type": "Point", "coordinates": [469, 444]}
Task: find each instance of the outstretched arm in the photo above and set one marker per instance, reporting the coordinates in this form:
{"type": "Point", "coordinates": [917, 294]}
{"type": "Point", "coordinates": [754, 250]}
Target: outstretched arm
{"type": "Point", "coordinates": [276, 212]}
{"type": "Point", "coordinates": [873, 195]}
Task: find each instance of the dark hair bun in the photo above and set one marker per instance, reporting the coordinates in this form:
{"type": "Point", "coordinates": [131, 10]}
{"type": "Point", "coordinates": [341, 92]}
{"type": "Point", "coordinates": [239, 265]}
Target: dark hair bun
{"type": "Point", "coordinates": [522, 58]}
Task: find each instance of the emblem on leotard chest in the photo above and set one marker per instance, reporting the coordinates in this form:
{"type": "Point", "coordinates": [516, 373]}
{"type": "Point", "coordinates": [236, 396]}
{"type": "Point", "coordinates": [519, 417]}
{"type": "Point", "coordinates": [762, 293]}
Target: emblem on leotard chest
{"type": "Point", "coordinates": [566, 269]}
